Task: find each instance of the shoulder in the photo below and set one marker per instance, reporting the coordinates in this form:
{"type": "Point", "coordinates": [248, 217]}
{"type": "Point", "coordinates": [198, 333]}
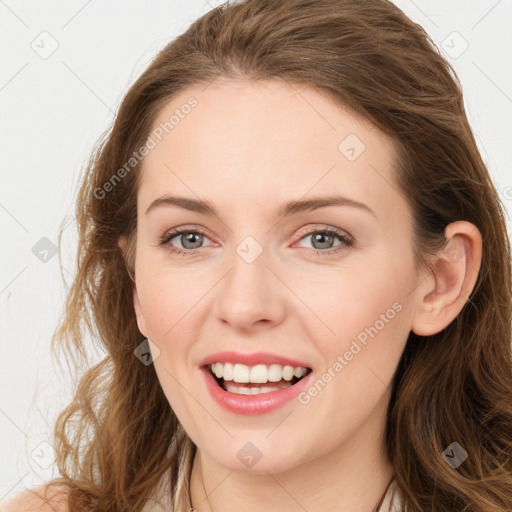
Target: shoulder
{"type": "Point", "coordinates": [38, 500]}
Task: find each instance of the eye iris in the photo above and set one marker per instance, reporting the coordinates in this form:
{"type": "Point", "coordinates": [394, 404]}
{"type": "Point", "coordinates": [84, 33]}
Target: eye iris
{"type": "Point", "coordinates": [189, 237]}
{"type": "Point", "coordinates": [318, 238]}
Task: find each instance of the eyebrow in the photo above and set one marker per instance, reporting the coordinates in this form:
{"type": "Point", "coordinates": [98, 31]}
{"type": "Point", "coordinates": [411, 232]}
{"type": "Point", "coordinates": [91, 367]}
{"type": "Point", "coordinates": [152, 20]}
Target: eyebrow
{"type": "Point", "coordinates": [287, 209]}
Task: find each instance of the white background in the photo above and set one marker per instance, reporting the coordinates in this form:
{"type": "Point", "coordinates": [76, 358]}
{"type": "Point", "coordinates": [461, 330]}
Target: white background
{"type": "Point", "coordinates": [54, 109]}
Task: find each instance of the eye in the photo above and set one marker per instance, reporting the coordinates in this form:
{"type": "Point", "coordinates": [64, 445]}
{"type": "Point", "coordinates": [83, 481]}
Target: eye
{"type": "Point", "coordinates": [324, 238]}
{"type": "Point", "coordinates": [191, 240]}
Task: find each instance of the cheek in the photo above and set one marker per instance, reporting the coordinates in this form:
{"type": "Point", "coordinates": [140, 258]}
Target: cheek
{"type": "Point", "coordinates": [167, 303]}
{"type": "Point", "coordinates": [369, 320]}
{"type": "Point", "coordinates": [351, 297]}
{"type": "Point", "coordinates": [364, 304]}
{"type": "Point", "coordinates": [168, 300]}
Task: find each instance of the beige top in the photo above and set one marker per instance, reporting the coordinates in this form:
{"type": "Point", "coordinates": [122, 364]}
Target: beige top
{"type": "Point", "coordinates": [393, 499]}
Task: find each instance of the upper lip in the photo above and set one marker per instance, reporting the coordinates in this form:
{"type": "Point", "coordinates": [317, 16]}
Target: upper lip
{"type": "Point", "coordinates": [251, 359]}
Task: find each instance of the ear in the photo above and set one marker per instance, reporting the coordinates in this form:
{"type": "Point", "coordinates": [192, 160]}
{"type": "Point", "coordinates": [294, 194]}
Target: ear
{"type": "Point", "coordinates": [455, 271]}
{"type": "Point", "coordinates": [141, 321]}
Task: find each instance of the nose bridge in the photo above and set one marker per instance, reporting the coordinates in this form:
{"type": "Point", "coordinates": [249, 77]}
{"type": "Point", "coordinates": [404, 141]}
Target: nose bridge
{"type": "Point", "coordinates": [249, 292]}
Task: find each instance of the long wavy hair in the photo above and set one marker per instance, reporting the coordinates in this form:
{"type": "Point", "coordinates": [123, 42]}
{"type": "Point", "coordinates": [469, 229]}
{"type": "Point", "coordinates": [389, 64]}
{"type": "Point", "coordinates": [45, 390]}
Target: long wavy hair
{"type": "Point", "coordinates": [119, 446]}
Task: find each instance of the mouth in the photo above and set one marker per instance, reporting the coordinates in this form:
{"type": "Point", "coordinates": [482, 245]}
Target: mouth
{"type": "Point", "coordinates": [254, 380]}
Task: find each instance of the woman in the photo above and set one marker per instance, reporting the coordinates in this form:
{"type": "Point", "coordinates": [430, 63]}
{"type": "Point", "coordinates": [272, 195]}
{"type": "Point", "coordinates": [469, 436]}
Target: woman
{"type": "Point", "coordinates": [296, 260]}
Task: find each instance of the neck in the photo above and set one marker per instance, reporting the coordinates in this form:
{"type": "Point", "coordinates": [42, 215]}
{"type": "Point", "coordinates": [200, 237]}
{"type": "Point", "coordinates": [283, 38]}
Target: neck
{"type": "Point", "coordinates": [351, 478]}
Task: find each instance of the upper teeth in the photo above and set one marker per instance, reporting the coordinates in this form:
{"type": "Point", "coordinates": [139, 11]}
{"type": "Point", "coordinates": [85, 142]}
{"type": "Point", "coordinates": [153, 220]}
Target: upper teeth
{"type": "Point", "coordinates": [258, 374]}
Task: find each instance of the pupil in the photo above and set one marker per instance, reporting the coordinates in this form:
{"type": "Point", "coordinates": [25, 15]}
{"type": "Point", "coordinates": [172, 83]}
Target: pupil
{"type": "Point", "coordinates": [190, 238]}
{"type": "Point", "coordinates": [318, 238]}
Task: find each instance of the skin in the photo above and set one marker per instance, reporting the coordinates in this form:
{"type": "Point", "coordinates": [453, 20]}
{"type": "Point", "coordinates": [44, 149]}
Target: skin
{"type": "Point", "coordinates": [248, 148]}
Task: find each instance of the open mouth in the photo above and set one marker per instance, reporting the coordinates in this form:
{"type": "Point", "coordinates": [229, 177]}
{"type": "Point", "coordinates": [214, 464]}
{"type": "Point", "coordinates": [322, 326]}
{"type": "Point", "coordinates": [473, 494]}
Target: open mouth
{"type": "Point", "coordinates": [243, 380]}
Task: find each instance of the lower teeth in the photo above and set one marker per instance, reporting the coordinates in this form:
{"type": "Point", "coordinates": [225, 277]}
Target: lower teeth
{"type": "Point", "coordinates": [257, 389]}
{"type": "Point", "coordinates": [232, 387]}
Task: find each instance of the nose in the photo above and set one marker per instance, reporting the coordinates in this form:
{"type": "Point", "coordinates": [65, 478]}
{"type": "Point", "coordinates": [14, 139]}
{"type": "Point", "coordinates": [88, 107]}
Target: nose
{"type": "Point", "coordinates": [251, 293]}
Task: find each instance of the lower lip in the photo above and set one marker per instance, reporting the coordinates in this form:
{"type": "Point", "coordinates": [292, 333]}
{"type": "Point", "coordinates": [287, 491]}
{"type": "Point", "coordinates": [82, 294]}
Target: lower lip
{"type": "Point", "coordinates": [252, 405]}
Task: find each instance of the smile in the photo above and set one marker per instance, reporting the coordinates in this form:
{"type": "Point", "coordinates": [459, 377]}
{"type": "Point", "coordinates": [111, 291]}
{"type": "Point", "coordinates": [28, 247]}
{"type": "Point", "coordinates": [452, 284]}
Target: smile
{"type": "Point", "coordinates": [254, 380]}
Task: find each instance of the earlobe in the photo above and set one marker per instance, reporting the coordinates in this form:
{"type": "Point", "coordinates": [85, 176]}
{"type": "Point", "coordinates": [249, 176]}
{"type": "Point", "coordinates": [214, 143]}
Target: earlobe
{"type": "Point", "coordinates": [455, 271]}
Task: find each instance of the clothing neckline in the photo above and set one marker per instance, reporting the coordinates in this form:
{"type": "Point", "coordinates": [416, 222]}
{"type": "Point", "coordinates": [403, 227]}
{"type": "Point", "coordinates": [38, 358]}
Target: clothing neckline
{"type": "Point", "coordinates": [392, 501]}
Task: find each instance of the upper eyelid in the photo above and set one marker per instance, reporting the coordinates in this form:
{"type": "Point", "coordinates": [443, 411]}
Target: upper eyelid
{"type": "Point", "coordinates": [304, 230]}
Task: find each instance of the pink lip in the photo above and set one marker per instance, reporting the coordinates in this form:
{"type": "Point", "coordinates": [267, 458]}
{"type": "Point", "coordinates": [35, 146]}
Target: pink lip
{"type": "Point", "coordinates": [252, 405]}
{"type": "Point", "coordinates": [251, 359]}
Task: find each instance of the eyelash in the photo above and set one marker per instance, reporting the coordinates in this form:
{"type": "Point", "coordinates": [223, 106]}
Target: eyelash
{"type": "Point", "coordinates": [346, 240]}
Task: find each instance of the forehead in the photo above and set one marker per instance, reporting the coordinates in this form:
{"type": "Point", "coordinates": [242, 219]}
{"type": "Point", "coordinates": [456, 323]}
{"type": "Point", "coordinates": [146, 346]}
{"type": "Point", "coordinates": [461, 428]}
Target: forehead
{"type": "Point", "coordinates": [262, 140]}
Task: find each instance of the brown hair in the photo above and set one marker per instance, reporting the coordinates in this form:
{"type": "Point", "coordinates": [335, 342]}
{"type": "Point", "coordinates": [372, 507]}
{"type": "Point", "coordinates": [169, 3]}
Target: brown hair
{"type": "Point", "coordinates": [119, 438]}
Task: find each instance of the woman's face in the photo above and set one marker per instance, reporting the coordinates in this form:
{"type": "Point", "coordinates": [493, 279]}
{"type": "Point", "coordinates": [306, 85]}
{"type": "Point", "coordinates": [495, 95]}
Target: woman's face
{"type": "Point", "coordinates": [267, 278]}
